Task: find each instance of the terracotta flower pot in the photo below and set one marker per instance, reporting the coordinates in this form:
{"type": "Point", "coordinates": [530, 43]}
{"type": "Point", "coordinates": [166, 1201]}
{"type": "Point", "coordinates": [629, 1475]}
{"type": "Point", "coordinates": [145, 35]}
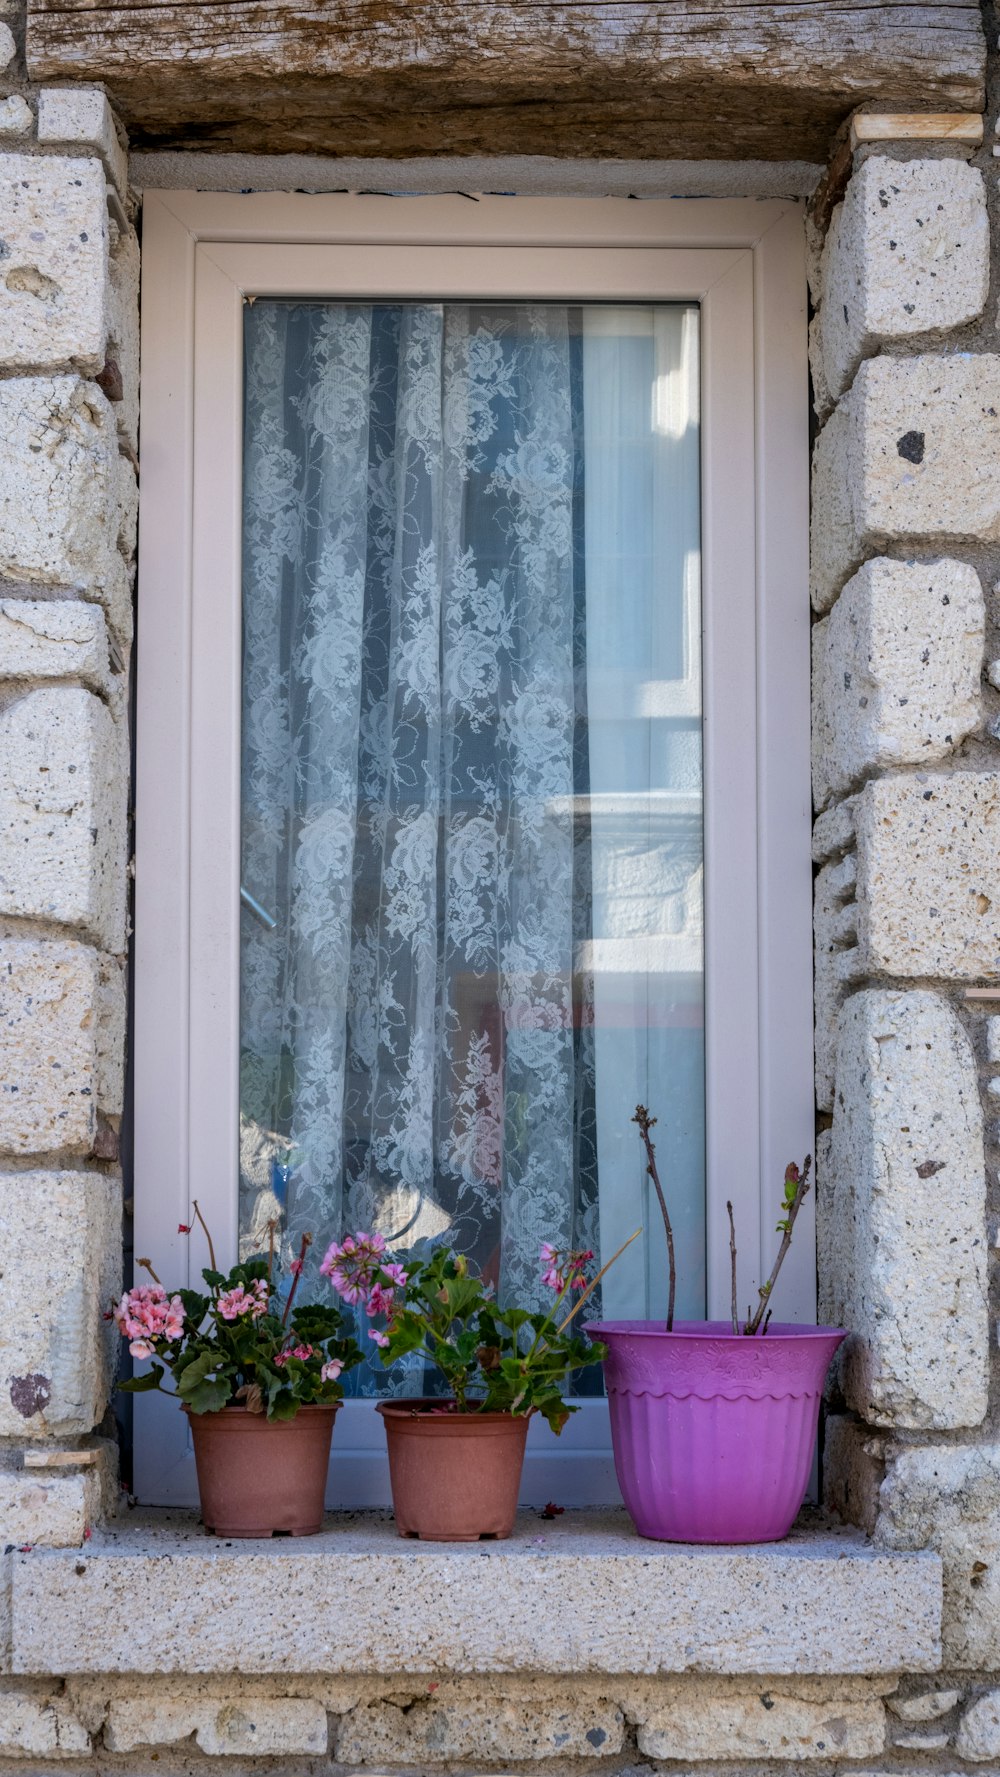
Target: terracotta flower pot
{"type": "Point", "coordinates": [256, 1476]}
{"type": "Point", "coordinates": [454, 1476]}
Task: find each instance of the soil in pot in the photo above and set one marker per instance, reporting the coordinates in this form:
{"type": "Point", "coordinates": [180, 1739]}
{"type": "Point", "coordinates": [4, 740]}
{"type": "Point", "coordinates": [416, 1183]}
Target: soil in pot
{"type": "Point", "coordinates": [714, 1432]}
{"type": "Point", "coordinates": [454, 1476]}
{"type": "Point", "coordinates": [261, 1477]}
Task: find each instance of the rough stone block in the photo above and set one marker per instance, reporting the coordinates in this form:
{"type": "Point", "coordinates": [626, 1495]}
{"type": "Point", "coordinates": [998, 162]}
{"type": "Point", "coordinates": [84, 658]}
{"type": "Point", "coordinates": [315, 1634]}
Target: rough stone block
{"type": "Point", "coordinates": [946, 1498]}
{"type": "Point", "coordinates": [82, 116]}
{"type": "Point", "coordinates": [763, 1724]}
{"type": "Point", "coordinates": [853, 1469]}
{"type": "Point", "coordinates": [48, 1021]}
{"type": "Point", "coordinates": [836, 964]}
{"type": "Point", "coordinates": [486, 1729]}
{"type": "Point", "coordinates": [154, 1597]}
{"type": "Point", "coordinates": [61, 1239]}
{"type": "Point", "coordinates": [16, 116]}
{"type": "Point", "coordinates": [978, 1736]}
{"type": "Point", "coordinates": [928, 864]}
{"type": "Point", "coordinates": [65, 492]}
{"type": "Point", "coordinates": [123, 325]}
{"type": "Point", "coordinates": [897, 670]}
{"type": "Point", "coordinates": [833, 831]}
{"type": "Point", "coordinates": [904, 1260]}
{"type": "Point", "coordinates": [246, 1725]}
{"type": "Point", "coordinates": [907, 254]}
{"type": "Point", "coordinates": [55, 639]}
{"type": "Point", "coordinates": [112, 1016]}
{"type": "Point", "coordinates": [48, 1511]}
{"type": "Point", "coordinates": [40, 1727]}
{"type": "Point", "coordinates": [993, 1039]}
{"type": "Point", "coordinates": [63, 795]}
{"type": "Point", "coordinates": [911, 453]}
{"type": "Point", "coordinates": [54, 289]}
{"type": "Point", "coordinates": [924, 1705]}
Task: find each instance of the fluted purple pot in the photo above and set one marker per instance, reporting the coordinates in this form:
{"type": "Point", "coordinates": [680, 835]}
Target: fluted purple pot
{"type": "Point", "coordinates": [713, 1433]}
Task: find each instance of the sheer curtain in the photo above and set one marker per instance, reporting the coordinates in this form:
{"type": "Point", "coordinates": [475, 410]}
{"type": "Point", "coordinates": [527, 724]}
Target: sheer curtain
{"type": "Point", "coordinates": [416, 1053]}
{"type": "Point", "coordinates": [424, 560]}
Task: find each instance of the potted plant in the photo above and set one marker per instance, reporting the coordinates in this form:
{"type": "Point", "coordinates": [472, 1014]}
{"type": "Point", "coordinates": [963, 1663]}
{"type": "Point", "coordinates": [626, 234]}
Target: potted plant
{"type": "Point", "coordinates": [260, 1384]}
{"type": "Point", "coordinates": [713, 1423]}
{"type": "Point", "coordinates": [455, 1461]}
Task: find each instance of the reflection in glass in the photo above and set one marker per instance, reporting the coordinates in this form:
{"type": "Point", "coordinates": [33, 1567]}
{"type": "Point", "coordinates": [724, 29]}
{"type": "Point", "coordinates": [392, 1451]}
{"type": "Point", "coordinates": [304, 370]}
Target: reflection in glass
{"type": "Point", "coordinates": [472, 783]}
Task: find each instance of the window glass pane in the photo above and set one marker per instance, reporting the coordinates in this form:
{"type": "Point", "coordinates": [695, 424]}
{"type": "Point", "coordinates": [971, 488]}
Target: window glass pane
{"type": "Point", "coordinates": [472, 925]}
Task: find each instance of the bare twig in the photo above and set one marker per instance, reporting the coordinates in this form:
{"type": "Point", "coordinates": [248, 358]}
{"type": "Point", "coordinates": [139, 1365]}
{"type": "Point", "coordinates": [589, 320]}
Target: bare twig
{"type": "Point", "coordinates": [208, 1237]}
{"type": "Point", "coordinates": [296, 1274]}
{"type": "Point", "coordinates": [733, 1311]}
{"type": "Point", "coordinates": [796, 1191]}
{"type": "Point", "coordinates": [646, 1123]}
{"type": "Point", "coordinates": [147, 1266]}
{"type": "Point", "coordinates": [591, 1287]}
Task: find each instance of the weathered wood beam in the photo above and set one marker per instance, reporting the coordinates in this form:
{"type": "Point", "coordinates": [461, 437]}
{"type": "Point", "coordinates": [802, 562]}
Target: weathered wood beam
{"type": "Point", "coordinates": [690, 79]}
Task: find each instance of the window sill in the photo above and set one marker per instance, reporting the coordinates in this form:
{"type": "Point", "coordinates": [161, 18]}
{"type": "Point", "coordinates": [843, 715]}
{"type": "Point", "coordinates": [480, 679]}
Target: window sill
{"type": "Point", "coordinates": [582, 1593]}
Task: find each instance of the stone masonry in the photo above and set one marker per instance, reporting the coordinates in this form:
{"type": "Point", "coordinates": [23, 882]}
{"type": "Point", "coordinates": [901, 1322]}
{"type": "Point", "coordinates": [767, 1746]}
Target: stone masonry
{"type": "Point", "coordinates": [905, 590]}
{"type": "Point", "coordinates": [68, 499]}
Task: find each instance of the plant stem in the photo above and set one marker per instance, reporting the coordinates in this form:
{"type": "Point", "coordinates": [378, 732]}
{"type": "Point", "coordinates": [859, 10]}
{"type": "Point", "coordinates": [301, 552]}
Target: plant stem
{"type": "Point", "coordinates": [303, 1249]}
{"type": "Point", "coordinates": [732, 1267]}
{"type": "Point", "coordinates": [272, 1224]}
{"type": "Point", "coordinates": [147, 1266]}
{"type": "Point", "coordinates": [208, 1237]}
{"type": "Point", "coordinates": [646, 1123]}
{"type": "Point", "coordinates": [792, 1210]}
{"type": "Point", "coordinates": [578, 1304]}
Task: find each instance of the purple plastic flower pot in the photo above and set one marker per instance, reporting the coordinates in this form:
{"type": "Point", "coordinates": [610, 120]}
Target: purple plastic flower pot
{"type": "Point", "coordinates": [713, 1433]}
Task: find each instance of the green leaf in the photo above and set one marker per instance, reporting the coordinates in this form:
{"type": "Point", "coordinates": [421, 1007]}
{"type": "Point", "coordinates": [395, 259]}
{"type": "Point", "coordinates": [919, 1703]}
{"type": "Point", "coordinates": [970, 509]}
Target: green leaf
{"type": "Point", "coordinates": [195, 1305]}
{"type": "Point", "coordinates": [150, 1379]}
{"type": "Point", "coordinates": [194, 1374]}
{"type": "Point", "coordinates": [209, 1397]}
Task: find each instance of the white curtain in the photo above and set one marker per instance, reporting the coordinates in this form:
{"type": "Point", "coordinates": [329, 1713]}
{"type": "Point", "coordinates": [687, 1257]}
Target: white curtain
{"type": "Point", "coordinates": [460, 530]}
{"type": "Point", "coordinates": [415, 1049]}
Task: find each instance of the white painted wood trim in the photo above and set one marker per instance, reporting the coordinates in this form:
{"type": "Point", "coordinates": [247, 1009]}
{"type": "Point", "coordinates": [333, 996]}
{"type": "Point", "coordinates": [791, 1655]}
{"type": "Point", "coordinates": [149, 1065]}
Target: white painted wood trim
{"type": "Point", "coordinates": [743, 261]}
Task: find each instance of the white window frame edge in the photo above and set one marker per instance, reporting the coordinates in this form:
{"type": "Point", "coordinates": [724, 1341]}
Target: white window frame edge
{"type": "Point", "coordinates": [743, 261]}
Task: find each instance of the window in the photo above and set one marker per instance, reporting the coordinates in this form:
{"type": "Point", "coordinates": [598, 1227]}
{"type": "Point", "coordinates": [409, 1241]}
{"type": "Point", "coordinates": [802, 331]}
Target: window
{"type": "Point", "coordinates": [472, 625]}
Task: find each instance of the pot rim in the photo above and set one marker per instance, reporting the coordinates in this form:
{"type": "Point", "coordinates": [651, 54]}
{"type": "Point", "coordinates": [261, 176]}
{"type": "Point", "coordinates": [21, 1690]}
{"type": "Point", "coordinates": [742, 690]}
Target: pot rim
{"type": "Point", "coordinates": [408, 1407]}
{"type": "Point", "coordinates": [238, 1407]}
{"type": "Point", "coordinates": [718, 1331]}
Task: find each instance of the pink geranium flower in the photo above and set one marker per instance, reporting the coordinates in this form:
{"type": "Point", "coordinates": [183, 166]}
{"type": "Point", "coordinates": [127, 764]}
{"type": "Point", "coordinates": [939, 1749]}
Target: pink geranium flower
{"type": "Point", "coordinates": [232, 1303]}
{"type": "Point", "coordinates": [380, 1300]}
{"type": "Point", "coordinates": [331, 1371]}
{"type": "Point", "coordinates": [145, 1314]}
{"type": "Point", "coordinates": [564, 1270]}
{"type": "Point", "coordinates": [351, 1265]}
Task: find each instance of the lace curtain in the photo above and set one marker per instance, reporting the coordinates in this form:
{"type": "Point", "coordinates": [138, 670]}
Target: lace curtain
{"type": "Point", "coordinates": [416, 1048]}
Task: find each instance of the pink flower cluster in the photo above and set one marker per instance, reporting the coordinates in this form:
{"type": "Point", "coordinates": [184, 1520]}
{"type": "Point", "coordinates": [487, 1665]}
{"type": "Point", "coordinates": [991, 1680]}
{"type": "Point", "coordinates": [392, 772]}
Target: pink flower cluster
{"type": "Point", "coordinates": [232, 1303]}
{"type": "Point", "coordinates": [564, 1270]}
{"type": "Point", "coordinates": [147, 1313]}
{"type": "Point", "coordinates": [359, 1272]}
{"type": "Point", "coordinates": [302, 1351]}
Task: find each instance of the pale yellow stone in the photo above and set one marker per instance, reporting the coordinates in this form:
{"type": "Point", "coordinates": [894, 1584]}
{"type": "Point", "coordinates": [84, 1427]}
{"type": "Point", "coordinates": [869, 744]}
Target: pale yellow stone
{"type": "Point", "coordinates": [61, 1237]}
{"type": "Point", "coordinates": [764, 1724]}
{"type": "Point", "coordinates": [54, 289]}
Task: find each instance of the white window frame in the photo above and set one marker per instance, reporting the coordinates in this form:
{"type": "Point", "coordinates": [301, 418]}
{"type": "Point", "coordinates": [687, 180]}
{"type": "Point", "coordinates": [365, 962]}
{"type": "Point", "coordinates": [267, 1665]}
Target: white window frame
{"type": "Point", "coordinates": [743, 262]}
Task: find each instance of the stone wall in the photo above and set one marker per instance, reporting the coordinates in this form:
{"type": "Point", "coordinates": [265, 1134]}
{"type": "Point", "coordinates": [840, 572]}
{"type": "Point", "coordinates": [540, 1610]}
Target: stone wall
{"type": "Point", "coordinates": [906, 778]}
{"type": "Point", "coordinates": [69, 267]}
{"type": "Point", "coordinates": [906, 590]}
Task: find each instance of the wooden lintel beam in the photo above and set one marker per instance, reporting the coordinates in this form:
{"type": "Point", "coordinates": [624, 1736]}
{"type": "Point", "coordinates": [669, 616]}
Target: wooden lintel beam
{"type": "Point", "coordinates": [686, 79]}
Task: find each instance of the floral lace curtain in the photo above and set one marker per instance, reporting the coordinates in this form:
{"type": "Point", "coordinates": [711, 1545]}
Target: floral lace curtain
{"type": "Point", "coordinates": [416, 1049]}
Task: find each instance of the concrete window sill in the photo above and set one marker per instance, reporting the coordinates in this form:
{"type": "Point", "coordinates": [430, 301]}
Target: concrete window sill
{"type": "Point", "coordinates": [579, 1594]}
